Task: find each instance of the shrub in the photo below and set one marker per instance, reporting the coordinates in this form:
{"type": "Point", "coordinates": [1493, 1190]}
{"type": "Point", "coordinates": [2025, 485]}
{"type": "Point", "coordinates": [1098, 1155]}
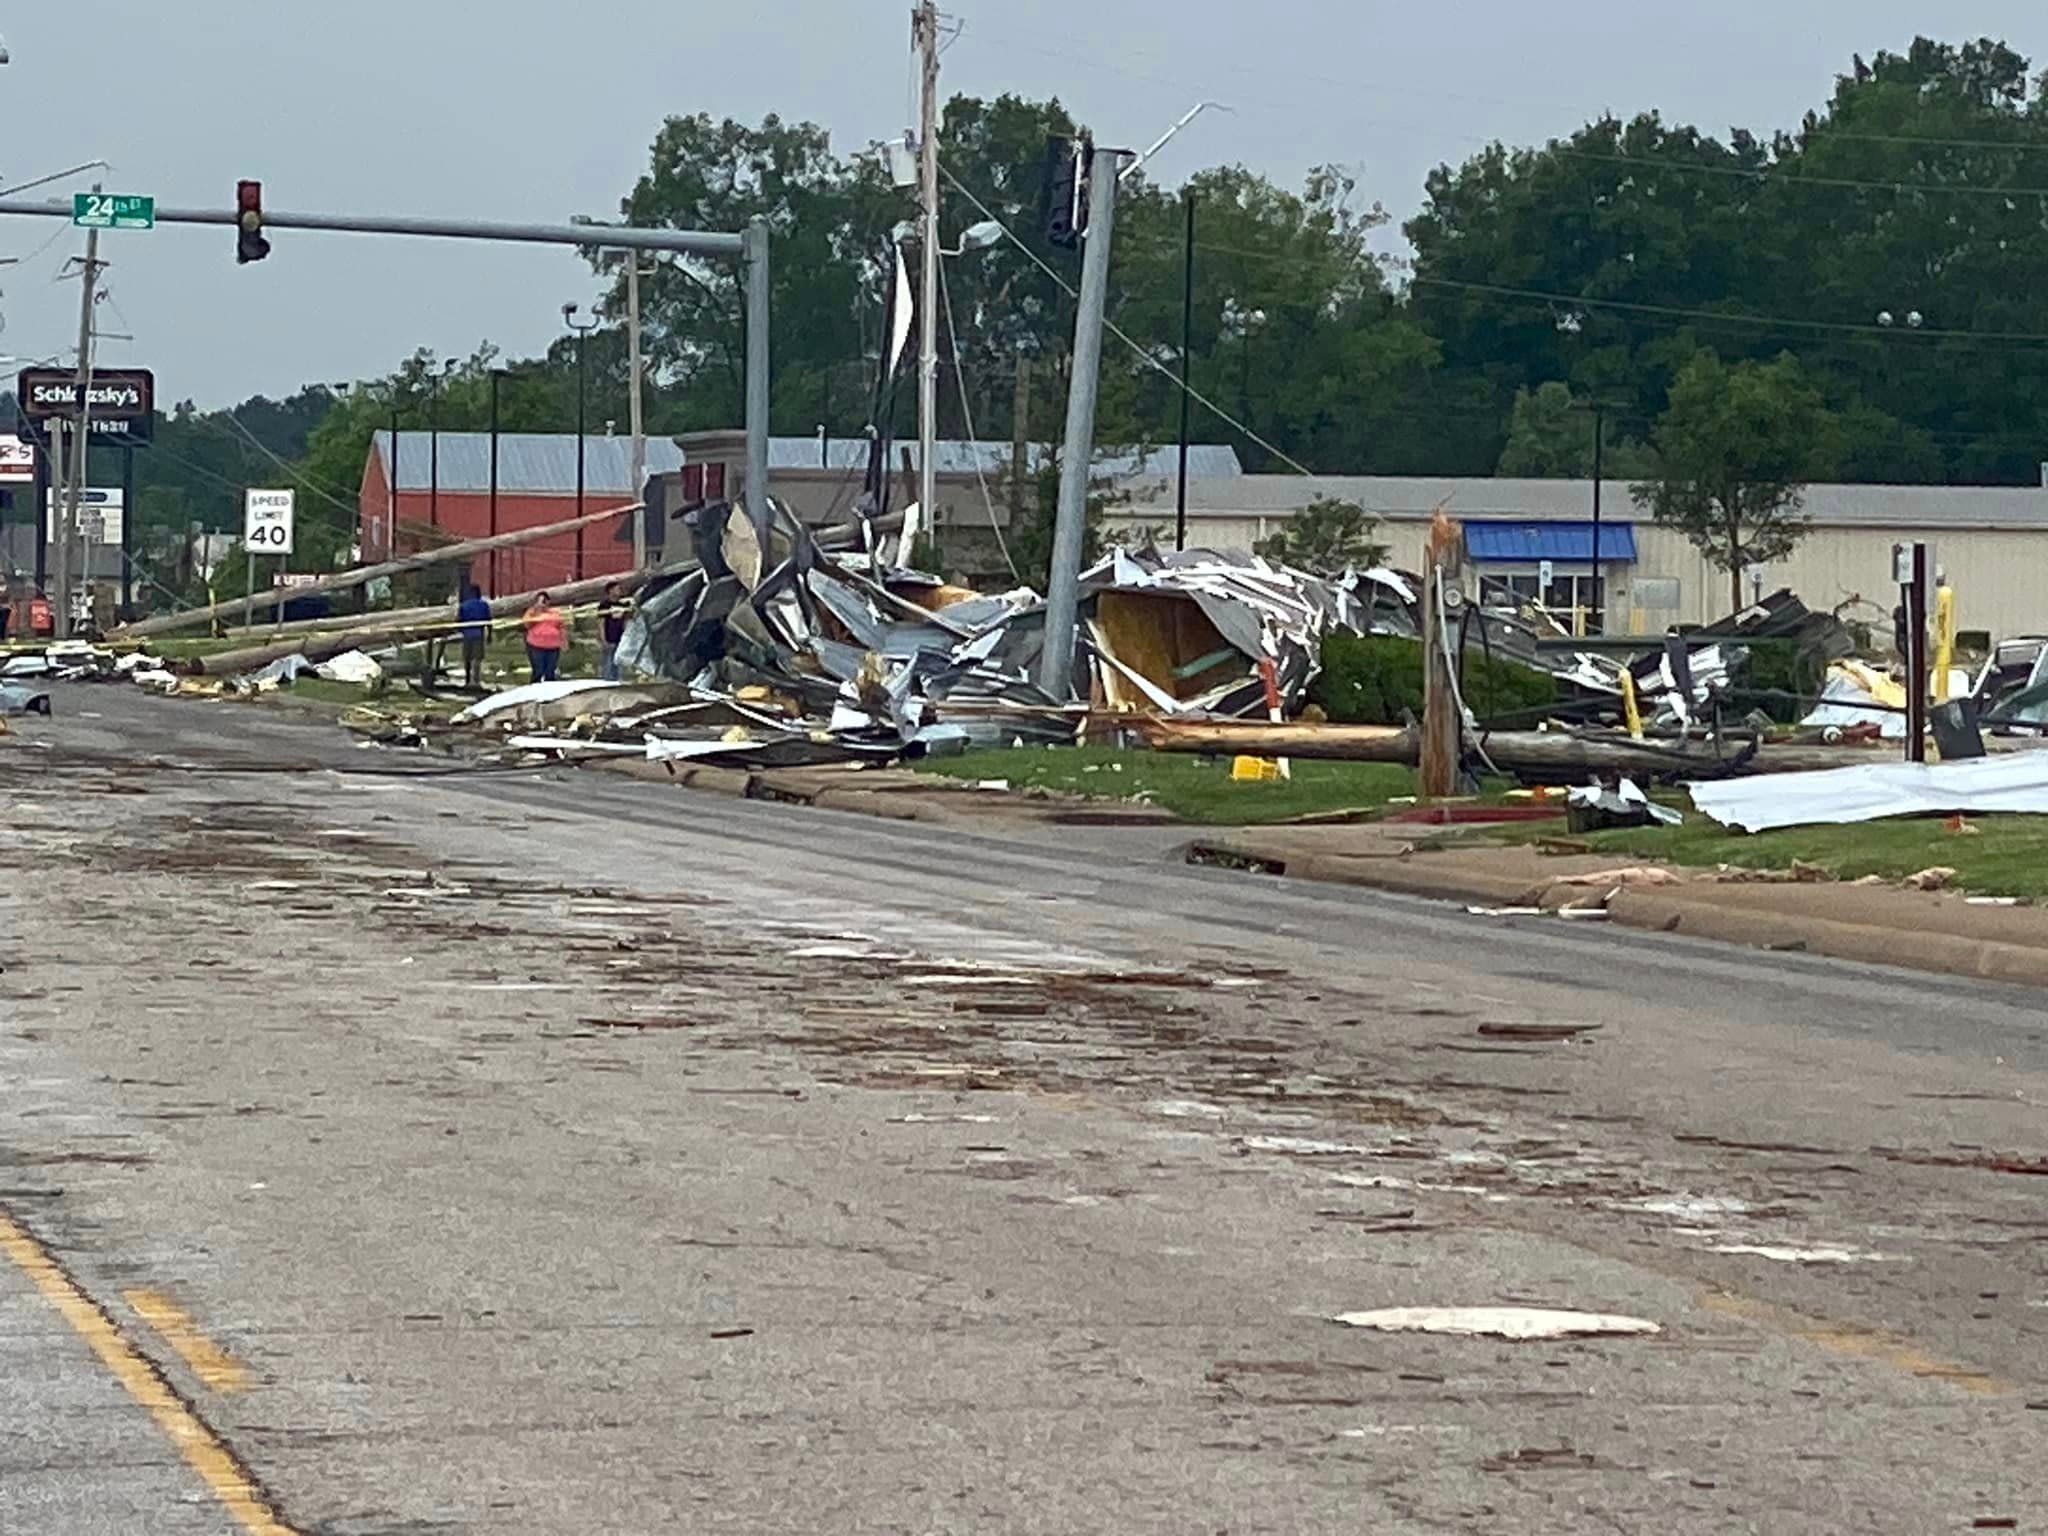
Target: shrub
{"type": "Point", "coordinates": [1377, 680]}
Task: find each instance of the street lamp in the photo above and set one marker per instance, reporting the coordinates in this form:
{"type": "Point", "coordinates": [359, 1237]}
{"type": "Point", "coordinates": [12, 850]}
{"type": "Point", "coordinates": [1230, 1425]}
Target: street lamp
{"type": "Point", "coordinates": [434, 441]}
{"type": "Point", "coordinates": [582, 328]}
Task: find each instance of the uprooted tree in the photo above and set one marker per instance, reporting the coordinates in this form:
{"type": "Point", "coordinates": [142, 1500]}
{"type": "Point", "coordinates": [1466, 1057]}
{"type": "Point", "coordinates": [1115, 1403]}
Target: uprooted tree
{"type": "Point", "coordinates": [1734, 450]}
{"type": "Point", "coordinates": [1326, 537]}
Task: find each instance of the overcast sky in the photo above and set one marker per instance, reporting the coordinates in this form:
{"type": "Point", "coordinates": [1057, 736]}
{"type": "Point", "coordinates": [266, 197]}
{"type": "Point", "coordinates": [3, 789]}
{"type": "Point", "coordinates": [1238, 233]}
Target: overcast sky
{"type": "Point", "coordinates": [535, 110]}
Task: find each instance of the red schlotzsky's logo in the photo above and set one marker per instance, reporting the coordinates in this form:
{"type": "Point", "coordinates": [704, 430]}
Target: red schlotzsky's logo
{"type": "Point", "coordinates": [120, 403]}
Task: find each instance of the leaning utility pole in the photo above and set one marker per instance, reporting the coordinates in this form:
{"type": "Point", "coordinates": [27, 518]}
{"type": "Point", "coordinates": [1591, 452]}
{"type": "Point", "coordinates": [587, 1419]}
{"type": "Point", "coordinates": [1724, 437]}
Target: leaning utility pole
{"type": "Point", "coordinates": [74, 472]}
{"type": "Point", "coordinates": [1056, 665]}
{"type": "Point", "coordinates": [637, 419]}
{"type": "Point", "coordinates": [924, 36]}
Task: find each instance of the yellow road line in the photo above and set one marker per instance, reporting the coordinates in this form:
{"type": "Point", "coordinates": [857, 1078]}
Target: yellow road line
{"type": "Point", "coordinates": [221, 1371]}
{"type": "Point", "coordinates": [202, 1449]}
{"type": "Point", "coordinates": [1857, 1343]}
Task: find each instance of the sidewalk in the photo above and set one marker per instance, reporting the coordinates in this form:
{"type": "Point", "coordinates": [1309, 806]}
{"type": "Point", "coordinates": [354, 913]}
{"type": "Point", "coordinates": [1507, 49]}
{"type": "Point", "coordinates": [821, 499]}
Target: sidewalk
{"type": "Point", "coordinates": [1875, 924]}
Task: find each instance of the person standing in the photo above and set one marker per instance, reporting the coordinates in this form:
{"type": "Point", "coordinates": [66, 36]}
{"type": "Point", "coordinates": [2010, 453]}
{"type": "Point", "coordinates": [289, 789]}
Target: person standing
{"type": "Point", "coordinates": [547, 631]}
{"type": "Point", "coordinates": [612, 631]}
{"type": "Point", "coordinates": [475, 617]}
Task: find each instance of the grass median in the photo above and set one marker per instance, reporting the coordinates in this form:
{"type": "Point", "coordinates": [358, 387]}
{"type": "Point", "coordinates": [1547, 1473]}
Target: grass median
{"type": "Point", "coordinates": [1192, 788]}
{"type": "Point", "coordinates": [1991, 855]}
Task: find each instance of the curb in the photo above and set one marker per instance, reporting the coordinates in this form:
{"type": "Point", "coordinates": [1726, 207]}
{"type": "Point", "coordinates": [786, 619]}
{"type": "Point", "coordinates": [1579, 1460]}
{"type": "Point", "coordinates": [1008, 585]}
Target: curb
{"type": "Point", "coordinates": [1653, 910]}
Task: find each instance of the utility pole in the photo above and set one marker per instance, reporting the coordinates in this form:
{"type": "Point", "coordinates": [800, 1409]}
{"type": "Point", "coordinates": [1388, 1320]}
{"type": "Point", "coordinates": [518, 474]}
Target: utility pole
{"type": "Point", "coordinates": [634, 408]}
{"type": "Point", "coordinates": [924, 37]}
{"type": "Point", "coordinates": [1187, 346]}
{"type": "Point", "coordinates": [1597, 604]}
{"type": "Point", "coordinates": [74, 474]}
{"type": "Point", "coordinates": [1056, 665]}
{"type": "Point", "coordinates": [1443, 727]}
{"type": "Point", "coordinates": [1020, 441]}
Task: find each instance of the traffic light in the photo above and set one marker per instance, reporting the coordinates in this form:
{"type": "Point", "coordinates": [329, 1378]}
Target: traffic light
{"type": "Point", "coordinates": [1067, 163]}
{"type": "Point", "coordinates": [249, 242]}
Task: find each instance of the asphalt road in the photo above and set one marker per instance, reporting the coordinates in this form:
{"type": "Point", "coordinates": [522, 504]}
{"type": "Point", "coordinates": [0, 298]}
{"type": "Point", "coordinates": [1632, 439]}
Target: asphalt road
{"type": "Point", "coordinates": [539, 1153]}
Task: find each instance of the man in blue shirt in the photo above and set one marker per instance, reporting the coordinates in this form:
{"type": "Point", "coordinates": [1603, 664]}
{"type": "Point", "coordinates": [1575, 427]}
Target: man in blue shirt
{"type": "Point", "coordinates": [475, 617]}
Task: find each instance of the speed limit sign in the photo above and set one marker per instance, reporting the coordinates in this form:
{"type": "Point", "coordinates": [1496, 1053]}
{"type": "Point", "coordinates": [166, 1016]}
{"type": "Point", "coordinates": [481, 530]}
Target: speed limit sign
{"type": "Point", "coordinates": [267, 522]}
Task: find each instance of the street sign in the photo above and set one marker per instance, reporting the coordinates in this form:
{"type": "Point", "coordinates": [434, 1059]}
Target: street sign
{"type": "Point", "coordinates": [267, 522]}
{"type": "Point", "coordinates": [112, 210]}
{"type": "Point", "coordinates": [17, 461]}
{"type": "Point", "coordinates": [1545, 574]}
{"type": "Point", "coordinates": [121, 404]}
{"type": "Point", "coordinates": [99, 507]}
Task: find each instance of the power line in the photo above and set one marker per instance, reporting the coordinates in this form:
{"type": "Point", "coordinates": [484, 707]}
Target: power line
{"type": "Point", "coordinates": [1117, 331]}
{"type": "Point", "coordinates": [967, 419]}
{"type": "Point", "coordinates": [1775, 322]}
{"type": "Point", "coordinates": [1823, 132]}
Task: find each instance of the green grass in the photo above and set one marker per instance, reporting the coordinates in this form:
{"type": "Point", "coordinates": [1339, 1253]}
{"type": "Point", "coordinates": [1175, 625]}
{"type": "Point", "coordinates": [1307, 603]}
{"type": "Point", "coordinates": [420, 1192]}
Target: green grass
{"type": "Point", "coordinates": [2007, 856]}
{"type": "Point", "coordinates": [1190, 787]}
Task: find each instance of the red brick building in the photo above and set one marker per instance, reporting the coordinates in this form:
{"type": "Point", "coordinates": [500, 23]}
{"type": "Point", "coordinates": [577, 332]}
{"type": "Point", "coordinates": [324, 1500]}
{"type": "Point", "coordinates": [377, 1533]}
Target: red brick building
{"type": "Point", "coordinates": [445, 494]}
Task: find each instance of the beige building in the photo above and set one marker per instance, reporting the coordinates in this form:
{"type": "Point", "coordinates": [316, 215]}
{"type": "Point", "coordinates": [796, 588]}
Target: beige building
{"type": "Point", "coordinates": [1992, 541]}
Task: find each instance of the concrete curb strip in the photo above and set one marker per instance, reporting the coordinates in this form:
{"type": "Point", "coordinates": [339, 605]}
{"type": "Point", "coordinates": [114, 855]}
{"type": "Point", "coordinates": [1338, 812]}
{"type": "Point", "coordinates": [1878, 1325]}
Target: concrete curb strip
{"type": "Point", "coordinates": [1655, 910]}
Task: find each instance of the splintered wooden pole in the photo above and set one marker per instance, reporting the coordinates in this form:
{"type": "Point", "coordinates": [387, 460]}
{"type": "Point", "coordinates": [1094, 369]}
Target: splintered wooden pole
{"type": "Point", "coordinates": [1442, 729]}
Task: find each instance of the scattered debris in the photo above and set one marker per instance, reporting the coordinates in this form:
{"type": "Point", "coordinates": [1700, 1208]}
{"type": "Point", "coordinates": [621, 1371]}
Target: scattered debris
{"type": "Point", "coordinates": [1536, 1031]}
{"type": "Point", "coordinates": [1597, 808]}
{"type": "Point", "coordinates": [1634, 874]}
{"type": "Point", "coordinates": [1520, 1323]}
{"type": "Point", "coordinates": [1789, 1255]}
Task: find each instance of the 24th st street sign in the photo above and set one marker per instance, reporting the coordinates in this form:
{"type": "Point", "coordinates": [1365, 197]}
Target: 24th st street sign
{"type": "Point", "coordinates": [112, 210]}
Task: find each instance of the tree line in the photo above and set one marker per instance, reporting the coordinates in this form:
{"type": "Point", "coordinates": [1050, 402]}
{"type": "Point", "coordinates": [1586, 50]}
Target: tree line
{"type": "Point", "coordinates": [1863, 296]}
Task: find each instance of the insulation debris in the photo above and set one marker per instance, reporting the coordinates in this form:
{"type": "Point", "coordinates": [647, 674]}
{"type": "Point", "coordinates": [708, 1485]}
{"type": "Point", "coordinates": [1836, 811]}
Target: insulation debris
{"type": "Point", "coordinates": [1520, 1323]}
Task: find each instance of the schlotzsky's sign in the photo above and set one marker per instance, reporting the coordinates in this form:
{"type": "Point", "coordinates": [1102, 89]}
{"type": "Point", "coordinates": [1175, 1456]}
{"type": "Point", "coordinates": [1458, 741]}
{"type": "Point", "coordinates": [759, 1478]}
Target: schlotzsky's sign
{"type": "Point", "coordinates": [120, 403]}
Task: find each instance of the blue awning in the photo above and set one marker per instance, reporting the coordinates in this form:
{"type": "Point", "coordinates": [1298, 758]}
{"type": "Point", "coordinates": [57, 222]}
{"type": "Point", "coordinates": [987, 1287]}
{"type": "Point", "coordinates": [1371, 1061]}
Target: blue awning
{"type": "Point", "coordinates": [1525, 543]}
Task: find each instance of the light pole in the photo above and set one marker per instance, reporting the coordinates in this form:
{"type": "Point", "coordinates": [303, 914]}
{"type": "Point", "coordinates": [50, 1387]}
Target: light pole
{"type": "Point", "coordinates": [497, 378]}
{"type": "Point", "coordinates": [582, 328]}
{"type": "Point", "coordinates": [434, 441]}
{"type": "Point", "coordinates": [635, 405]}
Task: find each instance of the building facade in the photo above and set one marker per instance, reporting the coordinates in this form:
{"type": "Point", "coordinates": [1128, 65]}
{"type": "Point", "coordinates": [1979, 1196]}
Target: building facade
{"type": "Point", "coordinates": [1991, 541]}
{"type": "Point", "coordinates": [447, 491]}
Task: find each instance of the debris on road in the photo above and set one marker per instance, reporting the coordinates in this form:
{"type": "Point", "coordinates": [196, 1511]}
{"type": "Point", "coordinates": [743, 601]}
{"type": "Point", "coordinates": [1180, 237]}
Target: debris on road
{"type": "Point", "coordinates": [1519, 1323]}
{"type": "Point", "coordinates": [1785, 1254]}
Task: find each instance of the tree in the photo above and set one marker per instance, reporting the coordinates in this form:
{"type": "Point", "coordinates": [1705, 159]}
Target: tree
{"type": "Point", "coordinates": [1326, 538]}
{"type": "Point", "coordinates": [1734, 451]}
{"type": "Point", "coordinates": [1550, 436]}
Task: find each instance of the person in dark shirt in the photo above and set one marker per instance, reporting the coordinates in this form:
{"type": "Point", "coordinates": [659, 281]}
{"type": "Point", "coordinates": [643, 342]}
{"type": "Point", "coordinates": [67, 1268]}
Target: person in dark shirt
{"type": "Point", "coordinates": [614, 614]}
{"type": "Point", "coordinates": [475, 616]}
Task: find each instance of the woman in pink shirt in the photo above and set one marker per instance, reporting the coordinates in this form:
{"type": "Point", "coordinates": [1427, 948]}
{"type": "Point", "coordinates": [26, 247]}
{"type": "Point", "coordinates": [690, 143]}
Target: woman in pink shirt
{"type": "Point", "coordinates": [546, 633]}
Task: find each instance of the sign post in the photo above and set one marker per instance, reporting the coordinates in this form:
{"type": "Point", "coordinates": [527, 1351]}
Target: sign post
{"type": "Point", "coordinates": [266, 530]}
{"type": "Point", "coordinates": [112, 210]}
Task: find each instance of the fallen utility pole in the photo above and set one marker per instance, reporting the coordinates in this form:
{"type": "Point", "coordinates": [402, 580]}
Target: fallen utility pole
{"type": "Point", "coordinates": [318, 639]}
{"type": "Point", "coordinates": [1545, 753]}
{"type": "Point", "coordinates": [342, 581]}
{"type": "Point", "coordinates": [749, 248]}
{"type": "Point", "coordinates": [372, 631]}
